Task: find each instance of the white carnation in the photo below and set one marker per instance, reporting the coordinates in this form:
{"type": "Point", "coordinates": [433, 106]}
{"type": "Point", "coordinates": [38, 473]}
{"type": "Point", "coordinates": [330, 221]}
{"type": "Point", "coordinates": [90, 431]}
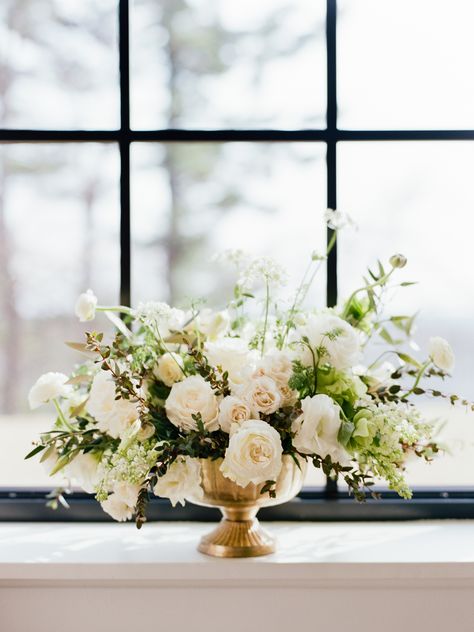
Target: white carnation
{"type": "Point", "coordinates": [317, 428]}
{"type": "Point", "coordinates": [339, 340]}
{"type": "Point", "coordinates": [233, 410]}
{"type": "Point", "coordinates": [85, 306]}
{"type": "Point", "coordinates": [121, 503]}
{"type": "Point", "coordinates": [441, 353]}
{"type": "Point", "coordinates": [48, 387]}
{"type": "Point", "coordinates": [254, 454]}
{"type": "Point", "coordinates": [190, 397]}
{"type": "Point", "coordinates": [169, 368]}
{"type": "Point", "coordinates": [262, 394]}
{"type": "Point", "coordinates": [181, 481]}
{"type": "Point", "coordinates": [113, 416]}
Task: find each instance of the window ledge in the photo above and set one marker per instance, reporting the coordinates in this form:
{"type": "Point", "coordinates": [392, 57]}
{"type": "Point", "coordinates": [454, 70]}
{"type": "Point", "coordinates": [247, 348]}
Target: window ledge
{"type": "Point", "coordinates": [309, 554]}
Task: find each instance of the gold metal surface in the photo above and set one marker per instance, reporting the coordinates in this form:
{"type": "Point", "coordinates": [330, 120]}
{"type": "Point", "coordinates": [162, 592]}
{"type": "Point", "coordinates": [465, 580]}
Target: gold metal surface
{"type": "Point", "coordinates": [239, 533]}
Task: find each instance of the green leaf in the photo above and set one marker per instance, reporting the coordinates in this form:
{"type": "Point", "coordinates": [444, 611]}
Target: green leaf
{"type": "Point", "coordinates": [62, 462]}
{"type": "Point", "coordinates": [408, 359]}
{"type": "Point", "coordinates": [345, 432]}
{"type": "Point", "coordinates": [35, 451]}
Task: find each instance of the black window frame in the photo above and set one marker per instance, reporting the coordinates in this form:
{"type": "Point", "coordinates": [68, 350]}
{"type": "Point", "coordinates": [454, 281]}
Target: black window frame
{"type": "Point", "coordinates": [331, 502]}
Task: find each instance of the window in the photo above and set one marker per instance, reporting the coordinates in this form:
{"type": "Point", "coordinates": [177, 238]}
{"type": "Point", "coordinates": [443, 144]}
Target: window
{"type": "Point", "coordinates": [126, 166]}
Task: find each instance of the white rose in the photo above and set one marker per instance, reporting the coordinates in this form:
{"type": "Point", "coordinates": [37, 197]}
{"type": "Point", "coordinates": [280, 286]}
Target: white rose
{"type": "Point", "coordinates": [316, 429]}
{"type": "Point", "coordinates": [339, 339]}
{"type": "Point", "coordinates": [121, 503]}
{"type": "Point", "coordinates": [48, 387]}
{"type": "Point", "coordinates": [441, 353]}
{"type": "Point", "coordinates": [212, 324]}
{"type": "Point", "coordinates": [113, 416]}
{"type": "Point", "coordinates": [262, 394]}
{"type": "Point", "coordinates": [278, 366]}
{"type": "Point", "coordinates": [233, 410]}
{"type": "Point", "coordinates": [169, 368]}
{"type": "Point", "coordinates": [232, 354]}
{"type": "Point", "coordinates": [181, 481]}
{"type": "Point", "coordinates": [254, 454]}
{"type": "Point", "coordinates": [83, 469]}
{"type": "Point", "coordinates": [85, 306]}
{"type": "Point", "coordinates": [187, 398]}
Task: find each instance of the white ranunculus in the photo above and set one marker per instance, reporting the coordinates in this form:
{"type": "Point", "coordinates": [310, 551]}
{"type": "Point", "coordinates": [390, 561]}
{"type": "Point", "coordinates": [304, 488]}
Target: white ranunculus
{"type": "Point", "coordinates": [316, 429]}
{"type": "Point", "coordinates": [85, 306]}
{"type": "Point", "coordinates": [181, 481]}
{"type": "Point", "coordinates": [187, 398]}
{"type": "Point", "coordinates": [121, 503]}
{"type": "Point", "coordinates": [169, 368]}
{"type": "Point", "coordinates": [262, 394]}
{"type": "Point", "coordinates": [48, 387]}
{"type": "Point", "coordinates": [441, 353]}
{"type": "Point", "coordinates": [83, 470]}
{"type": "Point", "coordinates": [339, 339]}
{"type": "Point", "coordinates": [212, 324]}
{"type": "Point", "coordinates": [254, 454]}
{"type": "Point", "coordinates": [113, 416]}
{"type": "Point", "coordinates": [233, 410]}
{"type": "Point", "coordinates": [233, 355]}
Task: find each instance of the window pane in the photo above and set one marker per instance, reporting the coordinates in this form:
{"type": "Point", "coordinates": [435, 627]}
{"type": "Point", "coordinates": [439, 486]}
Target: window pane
{"type": "Point", "coordinates": [228, 64]}
{"type": "Point", "coordinates": [418, 199]}
{"type": "Point", "coordinates": [59, 64]}
{"type": "Point", "coordinates": [405, 64]}
{"type": "Point", "coordinates": [190, 201]}
{"type": "Point", "coordinates": [59, 235]}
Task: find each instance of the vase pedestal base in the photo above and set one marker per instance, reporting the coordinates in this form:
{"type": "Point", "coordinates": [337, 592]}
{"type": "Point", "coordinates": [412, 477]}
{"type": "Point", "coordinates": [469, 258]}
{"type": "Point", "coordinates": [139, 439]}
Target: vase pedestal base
{"type": "Point", "coordinates": [237, 538]}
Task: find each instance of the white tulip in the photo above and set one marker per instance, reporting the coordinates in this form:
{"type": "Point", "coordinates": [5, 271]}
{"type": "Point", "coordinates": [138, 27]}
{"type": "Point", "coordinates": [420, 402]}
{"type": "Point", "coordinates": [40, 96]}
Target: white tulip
{"type": "Point", "coordinates": [254, 454]}
{"type": "Point", "coordinates": [441, 353]}
{"type": "Point", "coordinates": [85, 306]}
{"type": "Point", "coordinates": [48, 387]}
{"type": "Point", "coordinates": [181, 481]}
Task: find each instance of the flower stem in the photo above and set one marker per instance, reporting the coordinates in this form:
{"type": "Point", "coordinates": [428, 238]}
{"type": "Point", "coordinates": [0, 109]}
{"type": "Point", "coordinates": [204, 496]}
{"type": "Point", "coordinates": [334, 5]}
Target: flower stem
{"type": "Point", "coordinates": [265, 322]}
{"type": "Point", "coordinates": [61, 416]}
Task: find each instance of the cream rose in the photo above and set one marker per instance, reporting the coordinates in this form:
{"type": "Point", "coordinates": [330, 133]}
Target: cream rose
{"type": "Point", "coordinates": [441, 353]}
{"type": "Point", "coordinates": [190, 397]}
{"type": "Point", "coordinates": [169, 368]}
{"type": "Point", "coordinates": [121, 503]}
{"type": "Point", "coordinates": [254, 454]}
{"type": "Point", "coordinates": [316, 429]}
{"type": "Point", "coordinates": [85, 306]}
{"type": "Point", "coordinates": [233, 355]}
{"type": "Point", "coordinates": [113, 416]}
{"type": "Point", "coordinates": [262, 394]}
{"type": "Point", "coordinates": [48, 387]}
{"type": "Point", "coordinates": [339, 339]}
{"type": "Point", "coordinates": [278, 366]}
{"type": "Point", "coordinates": [181, 481]}
{"type": "Point", "coordinates": [233, 410]}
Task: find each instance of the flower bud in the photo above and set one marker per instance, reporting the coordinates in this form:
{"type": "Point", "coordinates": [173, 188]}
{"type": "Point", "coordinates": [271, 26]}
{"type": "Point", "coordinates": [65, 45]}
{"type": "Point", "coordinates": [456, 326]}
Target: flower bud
{"type": "Point", "coordinates": [398, 261]}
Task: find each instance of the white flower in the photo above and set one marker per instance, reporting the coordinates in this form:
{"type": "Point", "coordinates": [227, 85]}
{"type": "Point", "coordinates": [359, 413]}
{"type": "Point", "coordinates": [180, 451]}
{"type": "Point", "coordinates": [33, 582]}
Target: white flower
{"type": "Point", "coordinates": [441, 353]}
{"type": "Point", "coordinates": [181, 481]}
{"type": "Point", "coordinates": [232, 355]}
{"type": "Point", "coordinates": [85, 306]}
{"type": "Point", "coordinates": [121, 503]}
{"type": "Point", "coordinates": [262, 269]}
{"type": "Point", "coordinates": [169, 368]}
{"type": "Point", "coordinates": [212, 324]}
{"type": "Point", "coordinates": [262, 394]}
{"type": "Point", "coordinates": [254, 454]}
{"type": "Point", "coordinates": [47, 387]}
{"type": "Point", "coordinates": [161, 317]}
{"type": "Point", "coordinates": [316, 429]}
{"type": "Point", "coordinates": [113, 416]}
{"type": "Point", "coordinates": [233, 410]}
{"type": "Point", "coordinates": [337, 219]}
{"type": "Point", "coordinates": [83, 469]}
{"type": "Point", "coordinates": [278, 366]}
{"type": "Point", "coordinates": [339, 341]}
{"type": "Point", "coordinates": [190, 397]}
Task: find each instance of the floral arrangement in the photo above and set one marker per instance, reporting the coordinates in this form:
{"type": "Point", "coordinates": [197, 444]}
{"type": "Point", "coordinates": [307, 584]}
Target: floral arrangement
{"type": "Point", "coordinates": [258, 380]}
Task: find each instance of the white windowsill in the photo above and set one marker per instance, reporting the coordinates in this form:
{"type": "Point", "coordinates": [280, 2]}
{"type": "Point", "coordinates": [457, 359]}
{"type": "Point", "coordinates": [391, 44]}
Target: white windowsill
{"type": "Point", "coordinates": [421, 553]}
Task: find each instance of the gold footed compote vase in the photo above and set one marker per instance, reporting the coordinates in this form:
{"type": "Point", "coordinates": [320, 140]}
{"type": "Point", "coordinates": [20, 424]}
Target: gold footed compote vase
{"type": "Point", "coordinates": [239, 534]}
